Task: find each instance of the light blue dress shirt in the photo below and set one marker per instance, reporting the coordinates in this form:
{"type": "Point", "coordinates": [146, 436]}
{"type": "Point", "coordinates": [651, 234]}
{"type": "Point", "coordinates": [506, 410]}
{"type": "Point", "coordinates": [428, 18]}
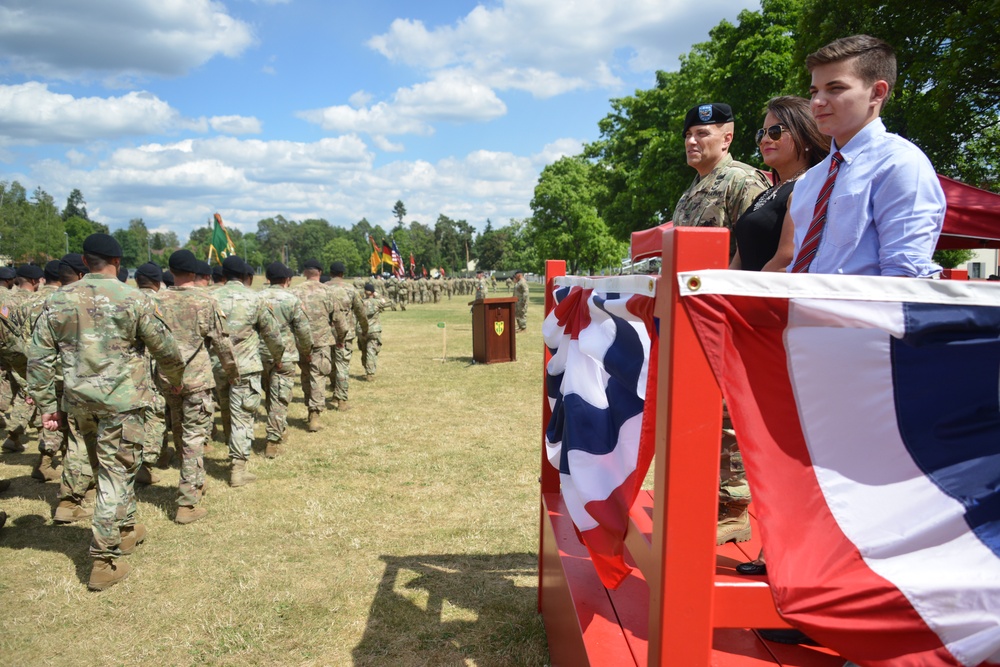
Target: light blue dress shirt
{"type": "Point", "coordinates": [885, 212]}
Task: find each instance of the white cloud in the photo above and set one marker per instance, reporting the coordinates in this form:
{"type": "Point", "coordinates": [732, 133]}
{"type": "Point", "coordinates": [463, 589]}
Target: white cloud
{"type": "Point", "coordinates": [67, 38]}
{"type": "Point", "coordinates": [387, 146]}
{"type": "Point", "coordinates": [235, 125]}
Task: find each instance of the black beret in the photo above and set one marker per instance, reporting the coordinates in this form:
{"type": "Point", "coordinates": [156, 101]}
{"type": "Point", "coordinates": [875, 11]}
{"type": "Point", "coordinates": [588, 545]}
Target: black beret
{"type": "Point", "coordinates": [518, 271]}
{"type": "Point", "coordinates": [338, 267]}
{"type": "Point", "coordinates": [235, 264]}
{"type": "Point", "coordinates": [104, 245]}
{"type": "Point", "coordinates": [75, 261]}
{"type": "Point", "coordinates": [217, 271]}
{"type": "Point", "coordinates": [123, 274]}
{"type": "Point", "coordinates": [708, 114]}
{"type": "Point", "coordinates": [203, 268]}
{"type": "Point", "coordinates": [30, 271]}
{"type": "Point", "coordinates": [152, 271]}
{"type": "Point", "coordinates": [313, 264]}
{"type": "Point", "coordinates": [324, 278]}
{"type": "Point", "coordinates": [52, 270]}
{"type": "Point", "coordinates": [183, 260]}
{"type": "Point", "coordinates": [247, 269]}
{"type": "Point", "coordinates": [369, 287]}
{"type": "Point", "coordinates": [277, 271]}
{"type": "Point", "coordinates": [7, 273]}
{"type": "Point", "coordinates": [167, 279]}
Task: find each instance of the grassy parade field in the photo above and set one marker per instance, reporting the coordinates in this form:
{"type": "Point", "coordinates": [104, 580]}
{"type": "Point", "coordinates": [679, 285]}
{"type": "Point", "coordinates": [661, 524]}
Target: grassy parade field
{"type": "Point", "coordinates": [403, 533]}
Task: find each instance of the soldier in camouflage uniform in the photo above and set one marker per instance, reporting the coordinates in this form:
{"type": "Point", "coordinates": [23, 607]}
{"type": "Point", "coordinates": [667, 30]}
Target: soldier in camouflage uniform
{"type": "Point", "coordinates": [481, 287]}
{"type": "Point", "coordinates": [248, 320]}
{"type": "Point", "coordinates": [370, 342]}
{"type": "Point", "coordinates": [198, 325]}
{"type": "Point", "coordinates": [403, 290]}
{"type": "Point", "coordinates": [721, 191]}
{"type": "Point", "coordinates": [328, 325]}
{"type": "Point", "coordinates": [521, 307]}
{"type": "Point", "coordinates": [350, 303]}
{"type": "Point", "coordinates": [21, 410]}
{"type": "Point", "coordinates": [106, 387]}
{"type": "Point", "coordinates": [297, 335]}
{"type": "Point", "coordinates": [148, 279]}
{"type": "Point", "coordinates": [436, 289]}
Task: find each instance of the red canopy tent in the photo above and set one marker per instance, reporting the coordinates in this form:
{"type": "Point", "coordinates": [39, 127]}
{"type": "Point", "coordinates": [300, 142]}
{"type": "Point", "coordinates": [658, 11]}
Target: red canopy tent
{"type": "Point", "coordinates": [972, 221]}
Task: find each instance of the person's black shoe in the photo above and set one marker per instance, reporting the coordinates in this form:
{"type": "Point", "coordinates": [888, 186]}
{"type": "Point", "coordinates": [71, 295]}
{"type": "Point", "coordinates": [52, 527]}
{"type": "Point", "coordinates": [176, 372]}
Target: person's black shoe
{"type": "Point", "coordinates": [790, 636]}
{"type": "Point", "coordinates": [752, 568]}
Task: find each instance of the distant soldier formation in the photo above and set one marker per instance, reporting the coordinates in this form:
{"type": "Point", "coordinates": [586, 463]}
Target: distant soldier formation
{"type": "Point", "coordinates": [108, 375]}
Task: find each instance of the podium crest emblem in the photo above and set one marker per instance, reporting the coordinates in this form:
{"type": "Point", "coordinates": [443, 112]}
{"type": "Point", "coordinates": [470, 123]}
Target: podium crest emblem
{"type": "Point", "coordinates": [498, 327]}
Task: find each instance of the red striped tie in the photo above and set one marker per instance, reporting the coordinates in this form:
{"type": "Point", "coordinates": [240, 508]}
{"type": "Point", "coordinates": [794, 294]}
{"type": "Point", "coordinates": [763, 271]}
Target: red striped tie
{"type": "Point", "coordinates": [811, 242]}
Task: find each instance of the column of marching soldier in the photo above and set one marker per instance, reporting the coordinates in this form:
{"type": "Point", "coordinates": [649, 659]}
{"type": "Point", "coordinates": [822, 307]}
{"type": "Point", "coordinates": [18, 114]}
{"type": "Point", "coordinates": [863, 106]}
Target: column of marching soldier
{"type": "Point", "coordinates": [103, 368]}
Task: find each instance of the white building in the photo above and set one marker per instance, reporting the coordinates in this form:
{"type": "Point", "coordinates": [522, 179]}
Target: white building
{"type": "Point", "coordinates": [984, 264]}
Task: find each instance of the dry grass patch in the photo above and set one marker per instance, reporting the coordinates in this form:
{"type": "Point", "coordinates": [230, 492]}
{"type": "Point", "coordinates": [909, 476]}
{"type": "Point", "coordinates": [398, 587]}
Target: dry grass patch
{"type": "Point", "coordinates": [403, 533]}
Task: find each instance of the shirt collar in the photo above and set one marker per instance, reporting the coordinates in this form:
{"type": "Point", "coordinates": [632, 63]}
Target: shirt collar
{"type": "Point", "coordinates": [865, 137]}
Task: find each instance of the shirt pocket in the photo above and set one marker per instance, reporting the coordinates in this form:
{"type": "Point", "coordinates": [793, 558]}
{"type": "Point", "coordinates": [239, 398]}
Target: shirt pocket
{"type": "Point", "coordinates": [845, 219]}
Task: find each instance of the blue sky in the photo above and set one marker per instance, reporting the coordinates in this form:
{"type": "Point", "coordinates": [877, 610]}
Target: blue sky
{"type": "Point", "coordinates": [171, 110]}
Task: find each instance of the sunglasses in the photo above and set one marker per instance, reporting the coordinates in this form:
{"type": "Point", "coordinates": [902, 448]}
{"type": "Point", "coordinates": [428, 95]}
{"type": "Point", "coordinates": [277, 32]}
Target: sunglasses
{"type": "Point", "coordinates": [773, 133]}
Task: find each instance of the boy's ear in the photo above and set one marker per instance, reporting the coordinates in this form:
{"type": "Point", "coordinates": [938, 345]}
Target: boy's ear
{"type": "Point", "coordinates": [880, 91]}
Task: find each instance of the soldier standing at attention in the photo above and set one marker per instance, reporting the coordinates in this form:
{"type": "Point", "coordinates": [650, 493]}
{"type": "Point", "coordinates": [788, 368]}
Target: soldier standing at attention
{"type": "Point", "coordinates": [371, 341]}
{"type": "Point", "coordinates": [521, 307]}
{"type": "Point", "coordinates": [197, 325]}
{"type": "Point", "coordinates": [329, 328]}
{"type": "Point", "coordinates": [248, 320]}
{"type": "Point", "coordinates": [350, 303]}
{"type": "Point", "coordinates": [148, 278]}
{"type": "Point", "coordinates": [721, 191]}
{"type": "Point", "coordinates": [481, 289]}
{"type": "Point", "coordinates": [20, 410]}
{"type": "Point", "coordinates": [403, 288]}
{"type": "Point", "coordinates": [106, 387]}
{"type": "Point", "coordinates": [297, 336]}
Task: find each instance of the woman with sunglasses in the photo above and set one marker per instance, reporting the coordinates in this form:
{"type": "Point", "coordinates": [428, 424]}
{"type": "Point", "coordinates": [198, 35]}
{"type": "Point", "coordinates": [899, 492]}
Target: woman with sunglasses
{"type": "Point", "coordinates": [790, 143]}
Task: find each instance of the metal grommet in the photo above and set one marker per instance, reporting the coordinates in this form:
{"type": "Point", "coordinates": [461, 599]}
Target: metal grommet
{"type": "Point", "coordinates": [694, 283]}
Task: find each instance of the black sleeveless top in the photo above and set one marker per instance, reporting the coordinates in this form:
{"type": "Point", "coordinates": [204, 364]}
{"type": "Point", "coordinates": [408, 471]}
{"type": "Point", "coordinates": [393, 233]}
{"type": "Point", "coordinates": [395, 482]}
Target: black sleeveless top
{"type": "Point", "coordinates": [759, 228]}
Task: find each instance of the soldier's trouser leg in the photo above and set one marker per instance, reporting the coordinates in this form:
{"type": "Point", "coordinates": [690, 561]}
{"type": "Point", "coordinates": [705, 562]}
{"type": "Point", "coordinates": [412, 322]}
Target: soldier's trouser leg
{"type": "Point", "coordinates": [363, 349]}
{"type": "Point", "coordinates": [118, 441]}
{"type": "Point", "coordinates": [342, 369]}
{"type": "Point", "coordinates": [244, 399]}
{"type": "Point", "coordinates": [734, 491]}
{"type": "Point", "coordinates": [191, 425]}
{"type": "Point", "coordinates": [278, 395]}
{"type": "Point", "coordinates": [372, 346]}
{"type": "Point", "coordinates": [79, 464]}
{"type": "Point", "coordinates": [224, 391]}
{"type": "Point", "coordinates": [314, 378]}
{"type": "Point", "coordinates": [20, 413]}
{"type": "Point", "coordinates": [156, 428]}
{"type": "Point", "coordinates": [521, 315]}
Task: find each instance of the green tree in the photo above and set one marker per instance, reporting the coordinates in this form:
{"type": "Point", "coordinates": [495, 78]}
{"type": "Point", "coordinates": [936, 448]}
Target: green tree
{"type": "Point", "coordinates": [490, 246]}
{"type": "Point", "coordinates": [950, 259]}
{"type": "Point", "coordinates": [399, 211]}
{"type": "Point", "coordinates": [79, 229]}
{"type": "Point", "coordinates": [344, 250]}
{"type": "Point", "coordinates": [76, 207]}
{"type": "Point", "coordinates": [566, 224]}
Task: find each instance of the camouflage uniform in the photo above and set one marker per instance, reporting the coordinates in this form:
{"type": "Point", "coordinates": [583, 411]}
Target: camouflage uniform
{"type": "Point", "coordinates": [248, 319]}
{"type": "Point", "coordinates": [370, 342]}
{"type": "Point", "coordinates": [521, 307]}
{"type": "Point", "coordinates": [106, 385]}
{"type": "Point", "coordinates": [156, 415]}
{"type": "Point", "coordinates": [350, 304]}
{"type": "Point", "coordinates": [481, 289]}
{"type": "Point", "coordinates": [404, 293]}
{"type": "Point", "coordinates": [197, 324]}
{"type": "Point", "coordinates": [328, 325]}
{"type": "Point", "coordinates": [297, 336]}
{"type": "Point", "coordinates": [20, 412]}
{"type": "Point", "coordinates": [719, 199]}
{"type": "Point", "coordinates": [436, 289]}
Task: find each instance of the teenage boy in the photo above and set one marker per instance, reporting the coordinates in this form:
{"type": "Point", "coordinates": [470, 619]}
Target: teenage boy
{"type": "Point", "coordinates": [874, 206]}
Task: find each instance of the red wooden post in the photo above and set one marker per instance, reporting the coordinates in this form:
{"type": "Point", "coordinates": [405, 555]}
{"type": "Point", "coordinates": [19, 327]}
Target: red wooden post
{"type": "Point", "coordinates": [688, 426]}
{"type": "Point", "coordinates": [549, 477]}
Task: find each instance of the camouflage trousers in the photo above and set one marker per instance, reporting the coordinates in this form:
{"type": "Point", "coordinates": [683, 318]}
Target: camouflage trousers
{"type": "Point", "coordinates": [20, 417]}
{"type": "Point", "coordinates": [733, 488]}
{"type": "Point", "coordinates": [239, 403]}
{"type": "Point", "coordinates": [191, 424]}
{"type": "Point", "coordinates": [6, 393]}
{"type": "Point", "coordinates": [51, 442]}
{"type": "Point", "coordinates": [314, 376]}
{"type": "Point", "coordinates": [155, 419]}
{"type": "Point", "coordinates": [277, 396]}
{"type": "Point", "coordinates": [370, 347]}
{"type": "Point", "coordinates": [342, 369]}
{"type": "Point", "coordinates": [117, 439]}
{"type": "Point", "coordinates": [521, 315]}
{"type": "Point", "coordinates": [79, 464]}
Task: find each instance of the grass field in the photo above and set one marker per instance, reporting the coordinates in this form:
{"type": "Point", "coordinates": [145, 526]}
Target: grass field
{"type": "Point", "coordinates": [403, 533]}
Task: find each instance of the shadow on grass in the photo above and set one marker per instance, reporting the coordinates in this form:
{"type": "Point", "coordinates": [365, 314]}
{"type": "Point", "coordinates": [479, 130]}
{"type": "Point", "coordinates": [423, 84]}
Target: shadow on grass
{"type": "Point", "coordinates": [453, 608]}
{"type": "Point", "coordinates": [36, 532]}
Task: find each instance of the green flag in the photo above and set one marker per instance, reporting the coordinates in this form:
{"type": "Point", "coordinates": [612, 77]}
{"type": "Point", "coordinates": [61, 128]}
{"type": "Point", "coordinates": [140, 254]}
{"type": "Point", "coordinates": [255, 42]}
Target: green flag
{"type": "Point", "coordinates": [222, 246]}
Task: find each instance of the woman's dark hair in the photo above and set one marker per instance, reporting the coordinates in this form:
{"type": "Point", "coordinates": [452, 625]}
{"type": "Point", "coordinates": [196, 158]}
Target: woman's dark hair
{"type": "Point", "coordinates": [793, 112]}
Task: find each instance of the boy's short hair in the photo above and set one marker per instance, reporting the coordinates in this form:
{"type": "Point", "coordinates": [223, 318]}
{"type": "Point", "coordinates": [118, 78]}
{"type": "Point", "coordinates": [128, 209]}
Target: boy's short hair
{"type": "Point", "coordinates": [875, 59]}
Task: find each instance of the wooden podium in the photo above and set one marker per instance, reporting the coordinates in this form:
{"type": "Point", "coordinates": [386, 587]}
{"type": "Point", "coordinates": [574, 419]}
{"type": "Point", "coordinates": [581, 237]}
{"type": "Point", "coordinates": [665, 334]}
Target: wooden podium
{"type": "Point", "coordinates": [493, 338]}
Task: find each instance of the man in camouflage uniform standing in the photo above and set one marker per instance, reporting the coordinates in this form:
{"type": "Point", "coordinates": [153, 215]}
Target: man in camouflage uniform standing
{"type": "Point", "coordinates": [328, 326]}
{"type": "Point", "coordinates": [350, 303]}
{"type": "Point", "coordinates": [521, 307]}
{"type": "Point", "coordinates": [20, 409]}
{"type": "Point", "coordinates": [721, 191]}
{"type": "Point", "coordinates": [148, 278]}
{"type": "Point", "coordinates": [198, 325]}
{"type": "Point", "coordinates": [248, 320]}
{"type": "Point", "coordinates": [370, 342]}
{"type": "Point", "coordinates": [403, 290]}
{"type": "Point", "coordinates": [296, 333]}
{"type": "Point", "coordinates": [481, 287]}
{"type": "Point", "coordinates": [106, 387]}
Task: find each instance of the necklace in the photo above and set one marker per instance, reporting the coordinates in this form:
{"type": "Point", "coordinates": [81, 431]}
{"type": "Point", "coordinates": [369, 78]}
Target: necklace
{"type": "Point", "coordinates": [773, 191]}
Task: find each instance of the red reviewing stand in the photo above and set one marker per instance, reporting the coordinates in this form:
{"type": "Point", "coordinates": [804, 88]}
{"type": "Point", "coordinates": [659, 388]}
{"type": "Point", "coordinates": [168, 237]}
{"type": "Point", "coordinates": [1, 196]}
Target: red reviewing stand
{"type": "Point", "coordinates": [683, 604]}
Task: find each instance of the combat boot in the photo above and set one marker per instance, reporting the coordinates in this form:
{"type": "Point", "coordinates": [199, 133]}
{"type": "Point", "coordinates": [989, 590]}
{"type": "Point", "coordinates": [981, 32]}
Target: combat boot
{"type": "Point", "coordinates": [12, 445]}
{"type": "Point", "coordinates": [271, 449]}
{"type": "Point", "coordinates": [68, 511]}
{"type": "Point", "coordinates": [166, 457]}
{"type": "Point", "coordinates": [132, 536]}
{"type": "Point", "coordinates": [344, 406]}
{"type": "Point", "coordinates": [106, 573]}
{"type": "Point", "coordinates": [146, 475]}
{"type": "Point", "coordinates": [733, 526]}
{"type": "Point", "coordinates": [239, 476]}
{"type": "Point", "coordinates": [187, 514]}
{"type": "Point", "coordinates": [46, 470]}
{"type": "Point", "coordinates": [314, 424]}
